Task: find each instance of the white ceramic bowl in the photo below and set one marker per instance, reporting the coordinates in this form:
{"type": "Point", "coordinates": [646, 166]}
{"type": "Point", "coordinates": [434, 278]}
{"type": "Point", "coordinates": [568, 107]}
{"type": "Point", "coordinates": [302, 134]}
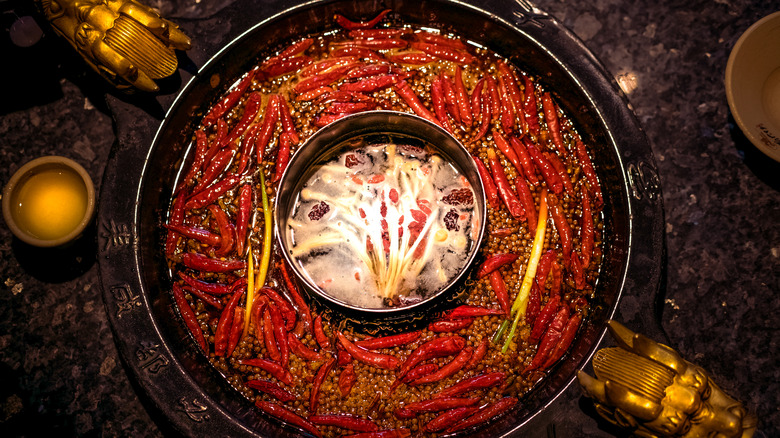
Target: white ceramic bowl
{"type": "Point", "coordinates": [753, 84]}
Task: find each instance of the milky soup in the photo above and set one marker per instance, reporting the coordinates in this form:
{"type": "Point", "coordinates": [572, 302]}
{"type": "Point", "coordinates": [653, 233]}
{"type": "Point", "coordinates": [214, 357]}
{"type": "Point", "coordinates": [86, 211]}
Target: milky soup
{"type": "Point", "coordinates": [383, 225]}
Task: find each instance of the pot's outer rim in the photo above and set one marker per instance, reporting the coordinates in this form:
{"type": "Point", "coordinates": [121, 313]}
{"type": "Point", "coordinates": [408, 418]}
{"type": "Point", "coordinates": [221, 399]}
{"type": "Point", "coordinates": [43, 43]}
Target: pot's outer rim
{"type": "Point", "coordinates": [160, 372]}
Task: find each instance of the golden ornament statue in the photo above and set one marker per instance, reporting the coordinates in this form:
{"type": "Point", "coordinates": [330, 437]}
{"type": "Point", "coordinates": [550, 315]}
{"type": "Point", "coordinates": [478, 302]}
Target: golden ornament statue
{"type": "Point", "coordinates": [126, 42]}
{"type": "Point", "coordinates": [650, 389]}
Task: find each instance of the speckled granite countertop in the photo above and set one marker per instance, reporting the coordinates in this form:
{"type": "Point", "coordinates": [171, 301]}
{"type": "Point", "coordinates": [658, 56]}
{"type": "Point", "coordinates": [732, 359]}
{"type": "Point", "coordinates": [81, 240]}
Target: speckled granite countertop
{"type": "Point", "coordinates": [60, 372]}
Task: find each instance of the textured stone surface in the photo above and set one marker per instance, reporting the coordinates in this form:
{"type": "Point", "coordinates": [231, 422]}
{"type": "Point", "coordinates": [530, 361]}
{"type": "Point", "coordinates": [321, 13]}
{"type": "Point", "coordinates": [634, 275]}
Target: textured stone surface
{"type": "Point", "coordinates": [60, 371]}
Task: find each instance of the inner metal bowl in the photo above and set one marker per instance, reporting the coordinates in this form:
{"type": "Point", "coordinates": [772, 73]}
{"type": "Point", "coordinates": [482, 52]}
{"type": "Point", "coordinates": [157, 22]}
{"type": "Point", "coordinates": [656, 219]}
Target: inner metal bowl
{"type": "Point", "coordinates": [382, 125]}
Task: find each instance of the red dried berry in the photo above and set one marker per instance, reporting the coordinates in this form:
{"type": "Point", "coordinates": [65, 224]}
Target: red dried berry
{"type": "Point", "coordinates": [451, 220]}
{"type": "Point", "coordinates": [461, 196]}
{"type": "Point", "coordinates": [393, 195]}
{"type": "Point", "coordinates": [318, 211]}
{"type": "Point", "coordinates": [352, 160]}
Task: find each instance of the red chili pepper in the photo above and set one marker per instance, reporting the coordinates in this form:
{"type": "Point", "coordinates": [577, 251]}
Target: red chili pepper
{"type": "Point", "coordinates": [503, 232]}
{"type": "Point", "coordinates": [441, 404]}
{"type": "Point", "coordinates": [269, 336]}
{"type": "Point", "coordinates": [286, 309]}
{"type": "Point", "coordinates": [282, 156]}
{"type": "Point", "coordinates": [410, 57]}
{"type": "Point", "coordinates": [492, 90]}
{"type": "Point", "coordinates": [272, 368]}
{"type": "Point", "coordinates": [587, 230]}
{"type": "Point", "coordinates": [282, 413]}
{"type": "Point", "coordinates": [292, 289]}
{"type": "Point", "coordinates": [319, 333]}
{"type": "Point", "coordinates": [369, 85]}
{"type": "Point", "coordinates": [482, 381]}
{"type": "Point", "coordinates": [476, 98]}
{"type": "Point", "coordinates": [479, 354]}
{"type": "Point", "coordinates": [509, 153]}
{"type": "Point", "coordinates": [288, 125]}
{"type": "Point", "coordinates": [373, 44]}
{"type": "Point", "coordinates": [389, 433]}
{"type": "Point", "coordinates": [188, 315]}
{"type": "Point", "coordinates": [560, 168]}
{"type": "Point", "coordinates": [464, 108]}
{"type": "Point", "coordinates": [217, 164]}
{"type": "Point", "coordinates": [389, 341]}
{"type": "Point", "coordinates": [206, 298]}
{"type": "Point", "coordinates": [322, 374]}
{"type": "Point", "coordinates": [549, 340]}
{"type": "Point", "coordinates": [557, 278]}
{"type": "Point", "coordinates": [450, 325]}
{"type": "Point", "coordinates": [553, 125]}
{"type": "Point", "coordinates": [247, 145]}
{"type": "Point", "coordinates": [270, 116]}
{"type": "Point", "coordinates": [228, 102]}
{"type": "Point", "coordinates": [367, 70]}
{"type": "Point", "coordinates": [199, 157]}
{"type": "Point", "coordinates": [222, 334]}
{"type": "Point", "coordinates": [251, 109]}
{"type": "Point", "coordinates": [313, 94]}
{"type": "Point", "coordinates": [242, 217]}
{"type": "Point", "coordinates": [567, 336]}
{"type": "Point", "coordinates": [328, 77]}
{"type": "Point", "coordinates": [198, 234]}
{"type": "Point", "coordinates": [543, 268]}
{"type": "Point", "coordinates": [443, 52]}
{"type": "Point", "coordinates": [278, 67]}
{"type": "Point", "coordinates": [494, 262]}
{"type": "Point", "coordinates": [349, 107]}
{"type": "Point", "coordinates": [491, 192]}
{"type": "Point", "coordinates": [447, 419]}
{"type": "Point", "coordinates": [513, 92]}
{"type": "Point", "coordinates": [176, 219]}
{"type": "Point", "coordinates": [360, 52]}
{"type": "Point", "coordinates": [345, 421]}
{"type": "Point", "coordinates": [280, 334]}
{"type": "Point", "coordinates": [484, 111]}
{"type": "Point", "coordinates": [378, 33]}
{"type": "Point", "coordinates": [534, 304]}
{"type": "Point", "coordinates": [342, 357]}
{"type": "Point", "coordinates": [383, 361]}
{"type": "Point", "coordinates": [450, 97]}
{"type": "Point", "coordinates": [226, 231]}
{"type": "Point", "coordinates": [271, 389]}
{"type": "Point", "coordinates": [347, 380]}
{"type": "Point", "coordinates": [504, 189]}
{"type": "Point", "coordinates": [447, 370]}
{"type": "Point", "coordinates": [211, 288]}
{"type": "Point", "coordinates": [296, 48]}
{"type": "Point", "coordinates": [575, 267]}
{"type": "Point", "coordinates": [419, 372]}
{"type": "Point", "coordinates": [440, 40]}
{"type": "Point", "coordinates": [499, 288]}
{"type": "Point", "coordinates": [465, 311]}
{"type": "Point", "coordinates": [407, 94]}
{"type": "Point", "coordinates": [530, 107]}
{"type": "Point", "coordinates": [212, 193]}
{"type": "Point", "coordinates": [200, 262]}
{"type": "Point", "coordinates": [529, 171]}
{"type": "Point", "coordinates": [507, 110]}
{"type": "Point", "coordinates": [438, 347]}
{"type": "Point", "coordinates": [527, 199]}
{"type": "Point", "coordinates": [301, 350]}
{"type": "Point", "coordinates": [439, 105]}
{"type": "Point", "coordinates": [543, 320]}
{"type": "Point", "coordinates": [590, 173]}
{"type": "Point", "coordinates": [257, 317]}
{"type": "Point", "coordinates": [551, 177]}
{"type": "Point", "coordinates": [561, 225]}
{"type": "Point", "coordinates": [237, 326]}
{"type": "Point", "coordinates": [353, 25]}
{"type": "Point", "coordinates": [485, 414]}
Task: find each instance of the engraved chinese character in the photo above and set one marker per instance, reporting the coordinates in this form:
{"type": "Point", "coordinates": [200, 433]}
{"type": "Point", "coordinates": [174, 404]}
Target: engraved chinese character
{"type": "Point", "coordinates": [150, 358]}
{"type": "Point", "coordinates": [126, 300]}
{"type": "Point", "coordinates": [116, 235]}
{"type": "Point", "coordinates": [194, 409]}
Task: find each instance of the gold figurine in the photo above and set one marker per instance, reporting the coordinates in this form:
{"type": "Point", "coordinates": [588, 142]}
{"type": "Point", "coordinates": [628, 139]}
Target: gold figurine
{"type": "Point", "coordinates": [126, 42]}
{"type": "Point", "coordinates": [650, 389]}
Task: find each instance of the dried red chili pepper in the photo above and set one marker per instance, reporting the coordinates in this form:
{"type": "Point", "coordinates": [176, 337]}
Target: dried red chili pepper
{"type": "Point", "coordinates": [494, 262]}
{"type": "Point", "coordinates": [212, 193]}
{"type": "Point", "coordinates": [247, 146]}
{"type": "Point", "coordinates": [549, 340]}
{"type": "Point", "coordinates": [236, 327]}
{"type": "Point", "coordinates": [419, 372]}
{"type": "Point", "coordinates": [587, 230]}
{"type": "Point", "coordinates": [543, 268]}
{"type": "Point", "coordinates": [272, 368]}
{"type": "Point", "coordinates": [322, 374]}
{"type": "Point", "coordinates": [281, 67]}
{"type": "Point", "coordinates": [269, 336]}
{"type": "Point", "coordinates": [301, 350]}
{"type": "Point", "coordinates": [504, 189]}
{"type": "Point", "coordinates": [288, 416]}
{"type": "Point", "coordinates": [251, 109]}
{"type": "Point", "coordinates": [439, 105]}
{"type": "Point", "coordinates": [389, 341]}
{"type": "Point", "coordinates": [543, 320]}
{"type": "Point", "coordinates": [188, 315]}
{"type": "Point", "coordinates": [383, 361]}
{"type": "Point", "coordinates": [450, 325]}
{"type": "Point", "coordinates": [369, 85]}
{"type": "Point", "coordinates": [567, 336]}
{"type": "Point", "coordinates": [284, 306]}
{"type": "Point", "coordinates": [464, 108]}
{"type": "Point", "coordinates": [575, 267]}
{"type": "Point", "coordinates": [475, 98]}
{"type": "Point", "coordinates": [529, 171]}
{"type": "Point", "coordinates": [561, 225]}
{"type": "Point", "coordinates": [534, 304]}
{"type": "Point", "coordinates": [479, 354]}
{"type": "Point", "coordinates": [211, 288]}
{"type": "Point", "coordinates": [222, 334]}
{"type": "Point", "coordinates": [347, 379]}
{"type": "Point", "coordinates": [491, 192]}
{"type": "Point", "coordinates": [354, 25]}
{"type": "Point", "coordinates": [256, 316]}
{"type": "Point", "coordinates": [226, 231]}
{"type": "Point", "coordinates": [485, 414]}
{"type": "Point", "coordinates": [549, 174]}
{"type": "Point", "coordinates": [590, 173]}
{"type": "Point", "coordinates": [288, 125]}
{"type": "Point", "coordinates": [271, 389]}
{"type": "Point", "coordinates": [449, 418]}
{"type": "Point", "coordinates": [499, 288]}
{"type": "Point", "coordinates": [292, 289]}
{"type": "Point", "coordinates": [280, 334]}
{"type": "Point", "coordinates": [319, 333]}
{"type": "Point", "coordinates": [407, 94]}
{"type": "Point", "coordinates": [345, 421]}
{"type": "Point", "coordinates": [530, 107]}
{"type": "Point", "coordinates": [441, 404]}
{"type": "Point", "coordinates": [270, 116]}
{"type": "Point", "coordinates": [447, 370]}
{"type": "Point", "coordinates": [206, 298]}
{"type": "Point", "coordinates": [465, 311]}
{"type": "Point", "coordinates": [229, 101]}
{"type": "Point", "coordinates": [459, 57]}
{"type": "Point", "coordinates": [560, 168]}
{"type": "Point", "coordinates": [242, 217]}
{"type": "Point", "coordinates": [199, 158]}
{"type": "Point", "coordinates": [200, 262]}
{"type": "Point", "coordinates": [509, 153]}
{"type": "Point", "coordinates": [450, 97]}
{"type": "Point", "coordinates": [482, 381]}
{"type": "Point", "coordinates": [438, 347]}
{"type": "Point", "coordinates": [553, 125]}
{"type": "Point", "coordinates": [198, 234]}
{"type": "Point", "coordinates": [360, 52]}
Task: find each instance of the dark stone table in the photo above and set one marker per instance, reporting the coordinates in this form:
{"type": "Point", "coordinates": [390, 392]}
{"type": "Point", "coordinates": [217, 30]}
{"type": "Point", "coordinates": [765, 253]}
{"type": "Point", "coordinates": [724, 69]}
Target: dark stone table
{"type": "Point", "coordinates": [60, 372]}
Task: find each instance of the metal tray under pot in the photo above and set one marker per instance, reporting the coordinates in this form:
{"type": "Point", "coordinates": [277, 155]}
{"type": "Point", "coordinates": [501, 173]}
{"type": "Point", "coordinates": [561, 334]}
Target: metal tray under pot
{"type": "Point", "coordinates": [139, 177]}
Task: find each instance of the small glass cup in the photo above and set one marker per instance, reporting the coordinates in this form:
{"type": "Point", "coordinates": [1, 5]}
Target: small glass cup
{"type": "Point", "coordinates": [49, 201]}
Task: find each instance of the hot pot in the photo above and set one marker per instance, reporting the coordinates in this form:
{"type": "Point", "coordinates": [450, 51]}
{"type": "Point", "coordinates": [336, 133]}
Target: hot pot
{"type": "Point", "coordinates": [178, 381]}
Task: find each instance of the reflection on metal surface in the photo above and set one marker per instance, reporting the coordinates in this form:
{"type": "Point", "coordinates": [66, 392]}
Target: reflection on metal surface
{"type": "Point", "coordinates": [126, 42]}
{"type": "Point", "coordinates": [628, 82]}
{"type": "Point", "coordinates": [651, 390]}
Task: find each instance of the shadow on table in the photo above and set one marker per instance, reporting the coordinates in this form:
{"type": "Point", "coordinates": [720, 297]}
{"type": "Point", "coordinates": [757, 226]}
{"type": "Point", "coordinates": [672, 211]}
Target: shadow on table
{"type": "Point", "coordinates": [765, 168]}
{"type": "Point", "coordinates": [60, 264]}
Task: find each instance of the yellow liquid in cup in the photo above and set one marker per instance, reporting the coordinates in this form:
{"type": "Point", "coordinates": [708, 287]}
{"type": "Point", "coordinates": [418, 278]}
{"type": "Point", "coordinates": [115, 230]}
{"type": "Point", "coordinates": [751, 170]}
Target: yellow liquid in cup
{"type": "Point", "coordinates": [51, 203]}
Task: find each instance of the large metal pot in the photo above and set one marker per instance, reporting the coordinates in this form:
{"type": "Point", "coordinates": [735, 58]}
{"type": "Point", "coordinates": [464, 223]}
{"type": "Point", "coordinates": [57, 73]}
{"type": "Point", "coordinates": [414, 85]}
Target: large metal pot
{"type": "Point", "coordinates": [139, 178]}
